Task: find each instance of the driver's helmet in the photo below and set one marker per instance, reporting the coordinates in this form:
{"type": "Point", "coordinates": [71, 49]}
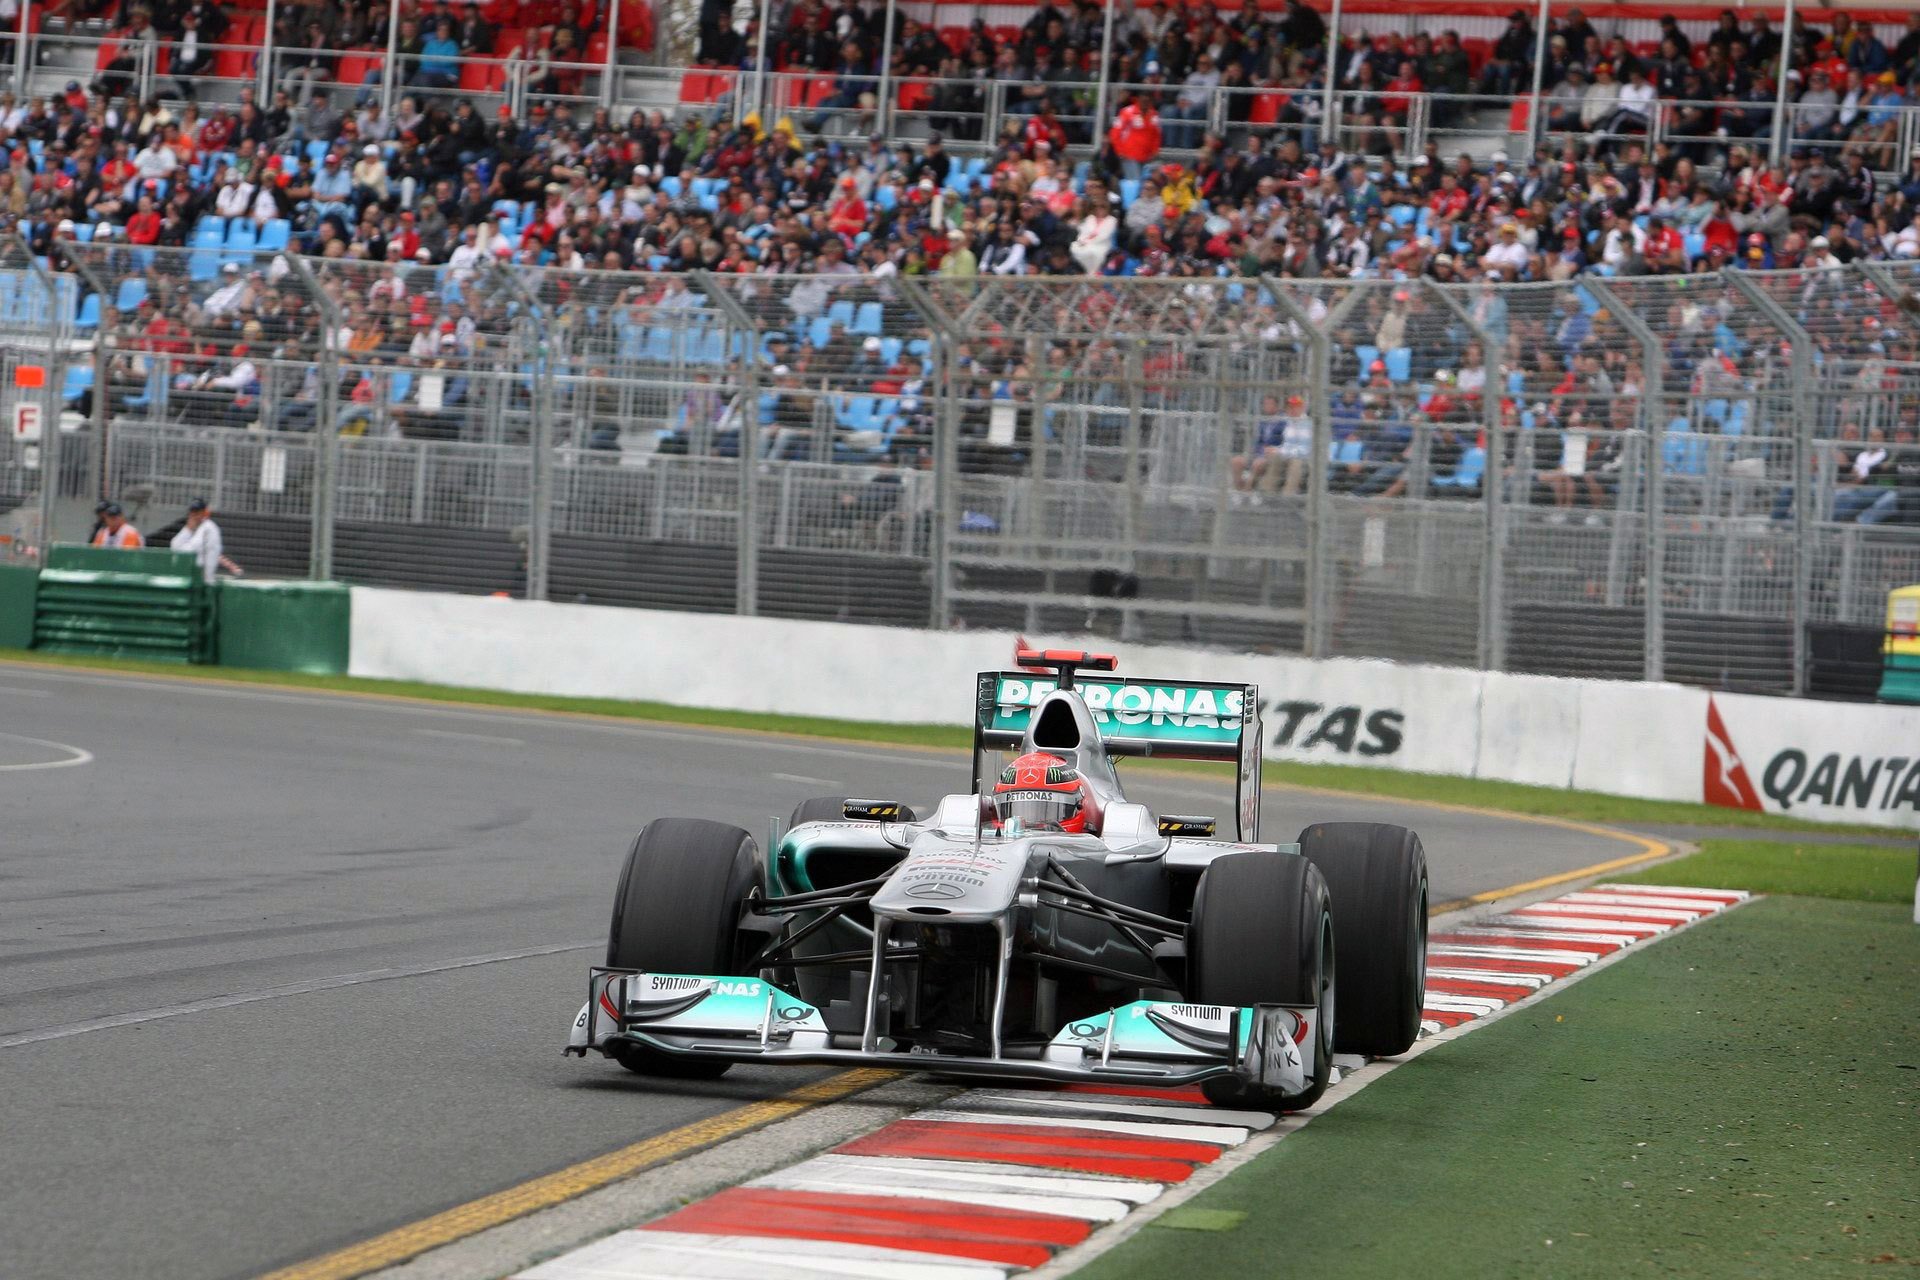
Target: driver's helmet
{"type": "Point", "coordinates": [1038, 791]}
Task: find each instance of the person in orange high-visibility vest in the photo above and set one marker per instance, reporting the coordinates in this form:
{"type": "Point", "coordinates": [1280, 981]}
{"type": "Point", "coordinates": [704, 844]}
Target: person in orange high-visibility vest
{"type": "Point", "coordinates": [115, 531]}
{"type": "Point", "coordinates": [1136, 135]}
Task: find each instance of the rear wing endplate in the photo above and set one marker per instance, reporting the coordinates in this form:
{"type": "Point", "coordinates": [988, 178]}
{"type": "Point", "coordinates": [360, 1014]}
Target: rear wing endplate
{"type": "Point", "coordinates": [1163, 719]}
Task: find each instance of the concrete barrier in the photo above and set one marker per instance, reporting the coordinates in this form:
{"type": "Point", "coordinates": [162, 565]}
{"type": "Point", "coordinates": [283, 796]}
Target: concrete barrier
{"type": "Point", "coordinates": [1831, 761]}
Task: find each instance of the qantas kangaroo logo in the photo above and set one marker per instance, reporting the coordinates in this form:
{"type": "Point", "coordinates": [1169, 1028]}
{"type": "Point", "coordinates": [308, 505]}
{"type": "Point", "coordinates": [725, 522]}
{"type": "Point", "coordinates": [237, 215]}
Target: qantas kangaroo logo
{"type": "Point", "coordinates": [1725, 781]}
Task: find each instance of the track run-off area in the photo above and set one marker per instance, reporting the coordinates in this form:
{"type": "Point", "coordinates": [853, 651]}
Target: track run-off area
{"type": "Point", "coordinates": [282, 972]}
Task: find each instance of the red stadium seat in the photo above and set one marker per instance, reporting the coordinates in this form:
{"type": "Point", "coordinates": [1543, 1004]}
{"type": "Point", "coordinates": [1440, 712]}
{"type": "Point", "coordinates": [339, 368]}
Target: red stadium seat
{"type": "Point", "coordinates": [701, 86]}
{"type": "Point", "coordinates": [482, 77]}
{"type": "Point", "coordinates": [1517, 116]}
{"type": "Point", "coordinates": [1266, 108]}
{"type": "Point", "coordinates": [819, 89]}
{"type": "Point", "coordinates": [500, 13]}
{"type": "Point", "coordinates": [915, 97]}
{"type": "Point", "coordinates": [509, 40]}
{"type": "Point", "coordinates": [354, 66]}
{"type": "Point", "coordinates": [597, 49]}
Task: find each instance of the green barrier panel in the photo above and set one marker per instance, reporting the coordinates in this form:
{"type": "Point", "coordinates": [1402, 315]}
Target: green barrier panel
{"type": "Point", "coordinates": [18, 586]}
{"type": "Point", "coordinates": [109, 601]}
{"type": "Point", "coordinates": [285, 626]}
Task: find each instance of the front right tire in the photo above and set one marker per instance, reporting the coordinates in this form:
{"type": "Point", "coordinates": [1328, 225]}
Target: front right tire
{"type": "Point", "coordinates": [677, 910]}
{"type": "Point", "coordinates": [1262, 932]}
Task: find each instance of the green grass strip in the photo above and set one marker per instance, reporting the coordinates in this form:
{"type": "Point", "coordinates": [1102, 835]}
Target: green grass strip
{"type": "Point", "coordinates": [1508, 797]}
{"type": "Point", "coordinates": [1860, 873]}
{"type": "Point", "coordinates": [1741, 1100]}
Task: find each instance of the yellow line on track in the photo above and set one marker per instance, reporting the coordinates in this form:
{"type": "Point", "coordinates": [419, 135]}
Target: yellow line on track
{"type": "Point", "coordinates": [457, 1223]}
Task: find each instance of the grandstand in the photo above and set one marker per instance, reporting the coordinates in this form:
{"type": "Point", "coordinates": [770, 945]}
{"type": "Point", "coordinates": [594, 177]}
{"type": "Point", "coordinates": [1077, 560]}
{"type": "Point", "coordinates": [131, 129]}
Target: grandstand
{"type": "Point", "coordinates": [1182, 343]}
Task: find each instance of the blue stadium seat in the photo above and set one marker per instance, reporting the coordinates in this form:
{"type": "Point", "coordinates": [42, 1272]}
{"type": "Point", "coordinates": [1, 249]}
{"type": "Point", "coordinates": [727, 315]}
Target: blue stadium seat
{"type": "Point", "coordinates": [79, 377]}
{"type": "Point", "coordinates": [132, 293]}
{"type": "Point", "coordinates": [1473, 465]}
{"type": "Point", "coordinates": [275, 234]}
{"type": "Point", "coordinates": [819, 332]}
{"type": "Point", "coordinates": [660, 345]}
{"type": "Point", "coordinates": [890, 351]}
{"type": "Point", "coordinates": [398, 388]}
{"type": "Point", "coordinates": [1129, 191]}
{"type": "Point", "coordinates": [1685, 454]}
{"type": "Point", "coordinates": [868, 321]}
{"type": "Point", "coordinates": [887, 198]}
{"type": "Point", "coordinates": [89, 317]}
{"type": "Point", "coordinates": [317, 150]}
{"type": "Point", "coordinates": [841, 313]}
{"type": "Point", "coordinates": [1364, 356]}
{"type": "Point", "coordinates": [210, 232]}
{"type": "Point", "coordinates": [1400, 364]}
{"type": "Point", "coordinates": [671, 186]}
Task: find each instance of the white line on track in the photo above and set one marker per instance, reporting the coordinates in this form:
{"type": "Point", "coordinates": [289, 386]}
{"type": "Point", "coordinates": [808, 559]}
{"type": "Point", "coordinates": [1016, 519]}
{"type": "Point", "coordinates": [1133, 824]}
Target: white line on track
{"type": "Point", "coordinates": [505, 715]}
{"type": "Point", "coordinates": [306, 987]}
{"type": "Point", "coordinates": [804, 780]}
{"type": "Point", "coordinates": [472, 737]}
{"type": "Point", "coordinates": [26, 693]}
{"type": "Point", "coordinates": [75, 755]}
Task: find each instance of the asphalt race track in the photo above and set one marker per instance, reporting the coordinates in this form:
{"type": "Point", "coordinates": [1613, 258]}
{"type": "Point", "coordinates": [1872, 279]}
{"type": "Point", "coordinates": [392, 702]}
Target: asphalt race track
{"type": "Point", "coordinates": [353, 933]}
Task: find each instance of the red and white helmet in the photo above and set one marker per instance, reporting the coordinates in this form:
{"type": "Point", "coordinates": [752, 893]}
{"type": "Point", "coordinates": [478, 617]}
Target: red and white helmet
{"type": "Point", "coordinates": [1040, 792]}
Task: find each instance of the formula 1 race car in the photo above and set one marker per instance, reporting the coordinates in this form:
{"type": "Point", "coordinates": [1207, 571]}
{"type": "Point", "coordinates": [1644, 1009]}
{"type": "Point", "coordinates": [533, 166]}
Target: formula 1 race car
{"type": "Point", "coordinates": [1038, 927]}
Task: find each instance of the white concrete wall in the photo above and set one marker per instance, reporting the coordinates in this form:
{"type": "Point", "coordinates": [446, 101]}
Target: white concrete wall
{"type": "Point", "coordinates": [1823, 760]}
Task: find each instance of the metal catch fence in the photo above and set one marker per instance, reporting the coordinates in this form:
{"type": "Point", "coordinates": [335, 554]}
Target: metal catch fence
{"type": "Point", "coordinates": [1697, 478]}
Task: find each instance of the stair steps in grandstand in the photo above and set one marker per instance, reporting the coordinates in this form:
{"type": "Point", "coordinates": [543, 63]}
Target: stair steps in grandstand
{"type": "Point", "coordinates": [146, 604]}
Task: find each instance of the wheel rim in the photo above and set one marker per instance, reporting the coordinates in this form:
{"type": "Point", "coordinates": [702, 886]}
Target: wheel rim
{"type": "Point", "coordinates": [1324, 1036]}
{"type": "Point", "coordinates": [1420, 946]}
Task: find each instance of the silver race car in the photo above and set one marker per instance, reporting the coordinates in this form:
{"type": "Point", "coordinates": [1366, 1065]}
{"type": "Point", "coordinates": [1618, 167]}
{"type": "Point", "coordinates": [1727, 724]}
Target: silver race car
{"type": "Point", "coordinates": [1040, 926]}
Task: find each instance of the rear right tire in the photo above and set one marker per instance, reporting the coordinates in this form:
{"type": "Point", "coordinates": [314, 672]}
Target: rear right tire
{"type": "Point", "coordinates": [677, 910]}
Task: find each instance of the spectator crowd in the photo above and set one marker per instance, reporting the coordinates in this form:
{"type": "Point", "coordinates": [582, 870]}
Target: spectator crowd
{"type": "Point", "coordinates": [1175, 187]}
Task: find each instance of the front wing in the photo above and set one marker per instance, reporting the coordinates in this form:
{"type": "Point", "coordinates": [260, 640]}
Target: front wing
{"type": "Point", "coordinates": [1148, 1042]}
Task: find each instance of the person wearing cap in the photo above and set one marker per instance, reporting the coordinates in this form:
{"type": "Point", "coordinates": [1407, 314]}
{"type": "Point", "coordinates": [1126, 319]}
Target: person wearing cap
{"type": "Point", "coordinates": [201, 537]}
{"type": "Point", "coordinates": [1282, 450]}
{"type": "Point", "coordinates": [115, 530]}
{"type": "Point", "coordinates": [369, 179]}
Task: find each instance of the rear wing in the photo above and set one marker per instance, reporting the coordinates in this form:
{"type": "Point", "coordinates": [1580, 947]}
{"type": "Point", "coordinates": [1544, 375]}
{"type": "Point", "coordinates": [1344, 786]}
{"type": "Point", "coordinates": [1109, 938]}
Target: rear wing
{"type": "Point", "coordinates": [1164, 719]}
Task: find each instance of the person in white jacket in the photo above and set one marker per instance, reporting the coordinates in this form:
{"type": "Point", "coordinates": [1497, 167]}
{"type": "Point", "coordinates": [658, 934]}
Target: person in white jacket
{"type": "Point", "coordinates": [1095, 241]}
{"type": "Point", "coordinates": [201, 536]}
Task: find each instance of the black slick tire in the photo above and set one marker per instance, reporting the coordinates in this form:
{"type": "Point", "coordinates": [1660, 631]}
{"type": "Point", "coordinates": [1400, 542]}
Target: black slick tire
{"type": "Point", "coordinates": [1377, 876]}
{"type": "Point", "coordinates": [676, 910]}
{"type": "Point", "coordinates": [1262, 932]}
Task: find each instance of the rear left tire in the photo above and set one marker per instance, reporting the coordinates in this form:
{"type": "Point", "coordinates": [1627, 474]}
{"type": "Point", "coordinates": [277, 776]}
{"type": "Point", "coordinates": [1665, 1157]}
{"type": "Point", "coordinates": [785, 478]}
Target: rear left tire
{"type": "Point", "coordinates": [1376, 874]}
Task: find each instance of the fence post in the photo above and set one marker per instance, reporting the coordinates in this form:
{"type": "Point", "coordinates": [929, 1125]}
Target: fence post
{"type": "Point", "coordinates": [746, 587]}
{"type": "Point", "coordinates": [943, 331]}
{"type": "Point", "coordinates": [1803, 415]}
{"type": "Point", "coordinates": [1493, 554]}
{"type": "Point", "coordinates": [1317, 626]}
{"type": "Point", "coordinates": [1314, 339]}
{"type": "Point", "coordinates": [53, 377]}
{"type": "Point", "coordinates": [1653, 410]}
{"type": "Point", "coordinates": [326, 424]}
{"type": "Point", "coordinates": [540, 438]}
{"type": "Point", "coordinates": [100, 395]}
